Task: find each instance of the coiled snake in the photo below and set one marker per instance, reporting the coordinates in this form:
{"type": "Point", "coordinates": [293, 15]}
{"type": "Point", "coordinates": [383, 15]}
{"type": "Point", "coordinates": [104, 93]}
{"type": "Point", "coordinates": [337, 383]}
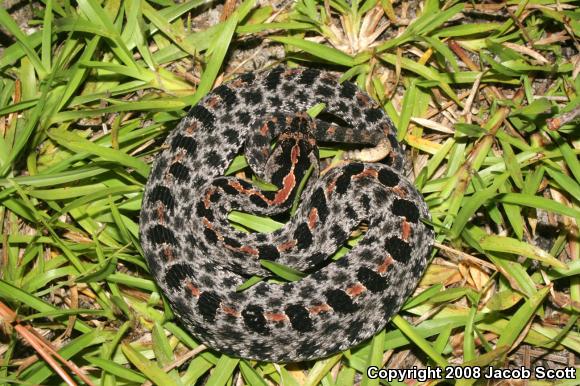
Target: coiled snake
{"type": "Point", "coordinates": [198, 259]}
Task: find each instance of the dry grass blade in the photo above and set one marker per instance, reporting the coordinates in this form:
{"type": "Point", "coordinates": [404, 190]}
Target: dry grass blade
{"type": "Point", "coordinates": [43, 348]}
{"type": "Point", "coordinates": [559, 121]}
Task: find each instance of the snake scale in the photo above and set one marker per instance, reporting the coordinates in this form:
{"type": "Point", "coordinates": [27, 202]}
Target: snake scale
{"type": "Point", "coordinates": [199, 260]}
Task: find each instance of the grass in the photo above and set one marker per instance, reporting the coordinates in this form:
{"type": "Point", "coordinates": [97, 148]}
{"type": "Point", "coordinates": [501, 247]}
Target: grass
{"type": "Point", "coordinates": [484, 96]}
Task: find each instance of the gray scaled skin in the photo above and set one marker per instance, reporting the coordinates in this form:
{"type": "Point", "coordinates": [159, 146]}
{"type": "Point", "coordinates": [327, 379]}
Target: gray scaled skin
{"type": "Point", "coordinates": [199, 260]}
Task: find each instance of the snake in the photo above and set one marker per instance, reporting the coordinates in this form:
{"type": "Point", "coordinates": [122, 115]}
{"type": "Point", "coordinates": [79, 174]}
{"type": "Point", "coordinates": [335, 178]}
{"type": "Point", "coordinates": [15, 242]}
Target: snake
{"type": "Point", "coordinates": [200, 261]}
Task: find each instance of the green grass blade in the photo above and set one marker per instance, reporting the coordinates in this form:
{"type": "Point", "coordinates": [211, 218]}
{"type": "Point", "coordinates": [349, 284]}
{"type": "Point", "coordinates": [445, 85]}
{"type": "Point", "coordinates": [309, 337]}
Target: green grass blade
{"type": "Point", "coordinates": [539, 202]}
{"type": "Point", "coordinates": [521, 318]}
{"type": "Point", "coordinates": [318, 50]}
{"type": "Point", "coordinates": [282, 271]}
{"type": "Point", "coordinates": [417, 339]}
{"type": "Point", "coordinates": [116, 369]}
{"type": "Point", "coordinates": [8, 23]}
{"type": "Point", "coordinates": [375, 358]}
{"type": "Point", "coordinates": [40, 371]}
{"type": "Point", "coordinates": [223, 371]}
{"type": "Point", "coordinates": [509, 245]}
{"type": "Point", "coordinates": [251, 375]}
{"type": "Point", "coordinates": [47, 36]}
{"type": "Point", "coordinates": [147, 367]}
{"type": "Point", "coordinates": [9, 291]}
{"type": "Point", "coordinates": [221, 44]}
{"type": "Point", "coordinates": [78, 144]}
{"type": "Point", "coordinates": [320, 369]}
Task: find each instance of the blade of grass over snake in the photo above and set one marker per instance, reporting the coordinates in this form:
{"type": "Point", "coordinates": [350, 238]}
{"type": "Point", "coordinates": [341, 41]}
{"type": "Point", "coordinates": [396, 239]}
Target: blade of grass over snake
{"type": "Point", "coordinates": [282, 271]}
{"type": "Point", "coordinates": [256, 223]}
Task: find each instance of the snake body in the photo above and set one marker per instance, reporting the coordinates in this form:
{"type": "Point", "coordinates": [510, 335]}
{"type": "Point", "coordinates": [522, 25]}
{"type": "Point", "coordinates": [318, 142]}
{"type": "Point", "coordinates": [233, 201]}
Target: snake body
{"type": "Point", "coordinates": [199, 260]}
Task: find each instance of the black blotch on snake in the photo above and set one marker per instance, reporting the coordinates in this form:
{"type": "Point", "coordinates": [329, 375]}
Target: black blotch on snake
{"type": "Point", "coordinates": [338, 234]}
{"type": "Point", "coordinates": [348, 90]}
{"type": "Point", "coordinates": [183, 142]}
{"type": "Point", "coordinates": [400, 250]}
{"type": "Point", "coordinates": [406, 208]}
{"type": "Point", "coordinates": [229, 97]}
{"type": "Point", "coordinates": [273, 78]}
{"type": "Point", "coordinates": [179, 171]}
{"type": "Point", "coordinates": [268, 252]}
{"type": "Point", "coordinates": [210, 235]}
{"type": "Point", "coordinates": [373, 115]}
{"type": "Point", "coordinates": [254, 319]}
{"type": "Point", "coordinates": [388, 178]}
{"type": "Point", "coordinates": [340, 301]}
{"type": "Point", "coordinates": [303, 236]}
{"type": "Point", "coordinates": [160, 234]}
{"type": "Point", "coordinates": [299, 317]}
{"type": "Point", "coordinates": [318, 201]}
{"type": "Point", "coordinates": [202, 211]}
{"type": "Point", "coordinates": [208, 304]}
{"type": "Point", "coordinates": [177, 274]}
{"type": "Point", "coordinates": [371, 280]}
{"type": "Point", "coordinates": [309, 76]}
{"type": "Point", "coordinates": [163, 194]}
{"type": "Point", "coordinates": [203, 115]}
